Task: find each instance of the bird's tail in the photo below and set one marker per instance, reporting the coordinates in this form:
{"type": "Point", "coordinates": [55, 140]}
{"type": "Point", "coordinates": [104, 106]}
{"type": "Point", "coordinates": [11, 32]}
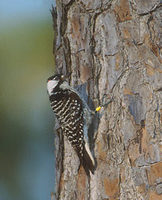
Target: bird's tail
{"type": "Point", "coordinates": [87, 160]}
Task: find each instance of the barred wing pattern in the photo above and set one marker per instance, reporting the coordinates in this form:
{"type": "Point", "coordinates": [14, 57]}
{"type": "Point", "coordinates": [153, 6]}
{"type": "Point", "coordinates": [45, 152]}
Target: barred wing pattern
{"type": "Point", "coordinates": [68, 108]}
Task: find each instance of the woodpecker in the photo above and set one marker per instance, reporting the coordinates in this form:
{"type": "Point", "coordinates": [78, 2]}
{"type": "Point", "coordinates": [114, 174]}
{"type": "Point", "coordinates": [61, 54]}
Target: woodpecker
{"type": "Point", "coordinates": [74, 117]}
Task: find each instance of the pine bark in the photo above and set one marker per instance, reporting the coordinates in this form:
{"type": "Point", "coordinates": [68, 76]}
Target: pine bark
{"type": "Point", "coordinates": [112, 48]}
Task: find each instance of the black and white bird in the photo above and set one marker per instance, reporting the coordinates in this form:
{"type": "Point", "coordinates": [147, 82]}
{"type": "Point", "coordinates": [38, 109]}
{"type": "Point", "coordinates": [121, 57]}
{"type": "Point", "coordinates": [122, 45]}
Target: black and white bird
{"type": "Point", "coordinates": [74, 117]}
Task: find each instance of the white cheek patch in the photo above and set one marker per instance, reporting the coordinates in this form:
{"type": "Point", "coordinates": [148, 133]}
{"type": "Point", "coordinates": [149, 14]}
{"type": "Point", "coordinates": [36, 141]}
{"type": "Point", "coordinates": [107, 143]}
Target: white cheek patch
{"type": "Point", "coordinates": [51, 85]}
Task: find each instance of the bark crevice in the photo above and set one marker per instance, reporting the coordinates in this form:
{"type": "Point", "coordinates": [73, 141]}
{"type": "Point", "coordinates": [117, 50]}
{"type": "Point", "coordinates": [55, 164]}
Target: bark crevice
{"type": "Point", "coordinates": [112, 49]}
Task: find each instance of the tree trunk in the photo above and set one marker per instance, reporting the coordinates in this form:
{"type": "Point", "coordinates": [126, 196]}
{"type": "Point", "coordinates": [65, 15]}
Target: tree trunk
{"type": "Point", "coordinates": [112, 48]}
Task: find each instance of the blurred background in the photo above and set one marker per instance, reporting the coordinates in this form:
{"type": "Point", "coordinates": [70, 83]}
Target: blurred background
{"type": "Point", "coordinates": [26, 119]}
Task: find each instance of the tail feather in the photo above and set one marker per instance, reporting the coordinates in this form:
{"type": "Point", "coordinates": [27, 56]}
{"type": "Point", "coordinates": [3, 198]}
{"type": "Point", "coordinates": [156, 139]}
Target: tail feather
{"type": "Point", "coordinates": [87, 161]}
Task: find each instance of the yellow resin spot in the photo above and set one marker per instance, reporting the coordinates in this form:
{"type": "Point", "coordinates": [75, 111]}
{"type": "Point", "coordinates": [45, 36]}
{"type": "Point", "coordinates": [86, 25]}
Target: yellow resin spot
{"type": "Point", "coordinates": [98, 108]}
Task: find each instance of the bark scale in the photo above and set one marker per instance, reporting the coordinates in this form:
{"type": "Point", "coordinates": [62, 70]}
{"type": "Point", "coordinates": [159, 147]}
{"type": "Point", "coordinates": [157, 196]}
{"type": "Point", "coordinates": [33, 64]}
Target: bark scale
{"type": "Point", "coordinates": [112, 48]}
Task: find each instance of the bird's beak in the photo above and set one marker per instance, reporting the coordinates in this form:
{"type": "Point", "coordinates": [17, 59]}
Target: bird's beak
{"type": "Point", "coordinates": [64, 77]}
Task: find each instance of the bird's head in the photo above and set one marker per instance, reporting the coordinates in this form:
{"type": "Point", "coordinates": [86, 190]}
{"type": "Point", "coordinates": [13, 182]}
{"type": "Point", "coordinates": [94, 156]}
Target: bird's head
{"type": "Point", "coordinates": [55, 82]}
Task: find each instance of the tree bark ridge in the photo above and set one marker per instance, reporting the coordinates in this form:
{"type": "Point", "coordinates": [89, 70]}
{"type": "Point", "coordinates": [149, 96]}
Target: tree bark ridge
{"type": "Point", "coordinates": [112, 48]}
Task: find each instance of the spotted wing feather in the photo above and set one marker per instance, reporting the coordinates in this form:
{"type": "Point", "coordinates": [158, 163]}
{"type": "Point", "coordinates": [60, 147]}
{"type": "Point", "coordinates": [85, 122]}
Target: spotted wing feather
{"type": "Point", "coordinates": [68, 108]}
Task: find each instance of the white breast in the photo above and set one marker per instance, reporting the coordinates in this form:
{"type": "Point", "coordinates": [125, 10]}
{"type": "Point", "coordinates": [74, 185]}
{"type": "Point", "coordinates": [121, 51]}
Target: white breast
{"type": "Point", "coordinates": [51, 85]}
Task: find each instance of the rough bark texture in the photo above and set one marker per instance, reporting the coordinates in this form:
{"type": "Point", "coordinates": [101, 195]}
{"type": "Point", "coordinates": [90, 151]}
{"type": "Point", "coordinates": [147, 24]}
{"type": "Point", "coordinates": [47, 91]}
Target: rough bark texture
{"type": "Point", "coordinates": [112, 48]}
